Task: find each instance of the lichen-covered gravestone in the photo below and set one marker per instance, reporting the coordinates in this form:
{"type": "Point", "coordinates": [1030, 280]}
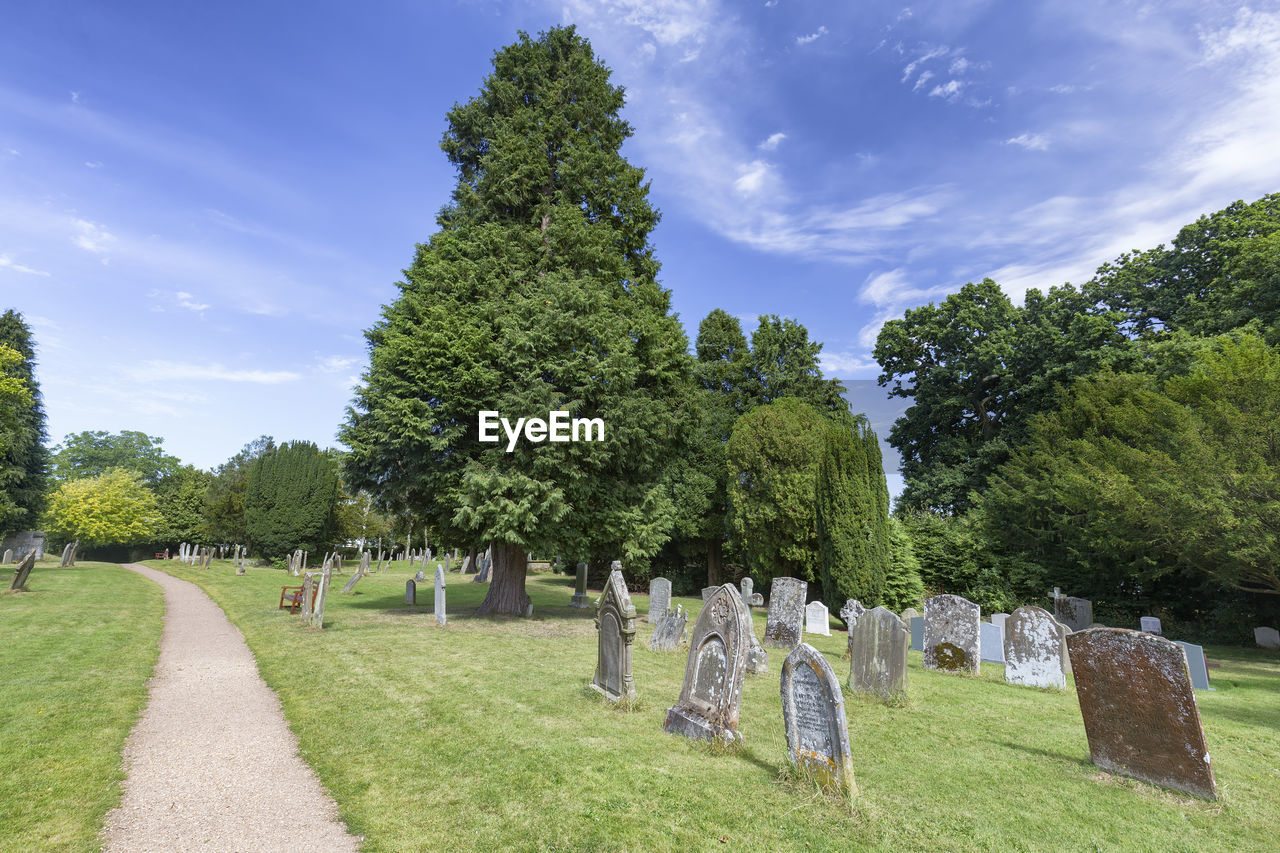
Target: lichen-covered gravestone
{"type": "Point", "coordinates": [878, 654]}
{"type": "Point", "coordinates": [1033, 649]}
{"type": "Point", "coordinates": [23, 571]}
{"type": "Point", "coordinates": [708, 591]}
{"type": "Point", "coordinates": [992, 643]}
{"type": "Point", "coordinates": [952, 636]}
{"type": "Point", "coordinates": [817, 619]}
{"type": "Point", "coordinates": [784, 626]}
{"type": "Point", "coordinates": [410, 592]}
{"type": "Point", "coordinates": [1266, 638]}
{"type": "Point", "coordinates": [615, 632]}
{"type": "Point", "coordinates": [439, 597]}
{"type": "Point", "coordinates": [659, 598]}
{"type": "Point", "coordinates": [851, 612]}
{"type": "Point", "coordinates": [757, 600]}
{"type": "Point", "coordinates": [580, 588]}
{"type": "Point", "coordinates": [814, 718]}
{"type": "Point", "coordinates": [668, 632]}
{"type": "Point", "coordinates": [1150, 624]}
{"type": "Point", "coordinates": [308, 599]}
{"type": "Point", "coordinates": [1139, 709]}
{"type": "Point", "coordinates": [1075, 613]}
{"type": "Point", "coordinates": [712, 690]}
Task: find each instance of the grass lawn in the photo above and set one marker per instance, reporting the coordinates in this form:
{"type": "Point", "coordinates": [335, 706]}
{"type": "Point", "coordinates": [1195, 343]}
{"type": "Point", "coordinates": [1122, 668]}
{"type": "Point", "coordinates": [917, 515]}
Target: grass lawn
{"type": "Point", "coordinates": [483, 735]}
{"type": "Point", "coordinates": [75, 655]}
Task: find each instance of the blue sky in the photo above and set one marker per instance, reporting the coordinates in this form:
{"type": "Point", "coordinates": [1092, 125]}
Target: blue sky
{"type": "Point", "coordinates": [202, 206]}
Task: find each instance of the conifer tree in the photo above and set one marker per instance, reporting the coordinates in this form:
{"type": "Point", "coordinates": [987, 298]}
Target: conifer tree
{"type": "Point", "coordinates": [290, 499]}
{"type": "Point", "coordinates": [24, 460]}
{"type": "Point", "coordinates": [851, 510]}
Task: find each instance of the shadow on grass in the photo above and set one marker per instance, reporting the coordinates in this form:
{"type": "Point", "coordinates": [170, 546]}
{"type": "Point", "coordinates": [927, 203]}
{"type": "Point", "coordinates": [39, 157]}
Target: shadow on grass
{"type": "Point", "coordinates": [1045, 753]}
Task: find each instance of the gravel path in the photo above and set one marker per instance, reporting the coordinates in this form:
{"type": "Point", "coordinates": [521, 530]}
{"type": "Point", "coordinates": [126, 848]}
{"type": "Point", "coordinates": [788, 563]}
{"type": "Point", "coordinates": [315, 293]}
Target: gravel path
{"type": "Point", "coordinates": [211, 764]}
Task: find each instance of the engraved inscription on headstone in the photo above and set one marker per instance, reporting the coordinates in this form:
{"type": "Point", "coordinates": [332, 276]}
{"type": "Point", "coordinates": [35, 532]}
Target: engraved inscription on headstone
{"type": "Point", "coordinates": [814, 717]}
{"type": "Point", "coordinates": [1033, 649]}
{"type": "Point", "coordinates": [783, 627]}
{"type": "Point", "coordinates": [712, 691]}
{"type": "Point", "coordinates": [616, 630]}
{"type": "Point", "coordinates": [952, 636]}
{"type": "Point", "coordinates": [878, 654]}
{"type": "Point", "coordinates": [668, 632]}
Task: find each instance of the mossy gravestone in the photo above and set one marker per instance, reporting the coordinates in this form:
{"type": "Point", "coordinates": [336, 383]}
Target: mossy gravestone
{"type": "Point", "coordinates": [1139, 709]}
{"type": "Point", "coordinates": [878, 644]}
{"type": "Point", "coordinates": [784, 624]}
{"type": "Point", "coordinates": [1033, 649]}
{"type": "Point", "coordinates": [952, 634]}
{"type": "Point", "coordinates": [615, 632]}
{"type": "Point", "coordinates": [813, 714]}
{"type": "Point", "coordinates": [712, 690]}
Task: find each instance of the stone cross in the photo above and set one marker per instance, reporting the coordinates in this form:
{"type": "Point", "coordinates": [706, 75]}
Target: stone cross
{"type": "Point", "coordinates": [1139, 709]}
{"type": "Point", "coordinates": [878, 644]}
{"type": "Point", "coordinates": [615, 632]}
{"type": "Point", "coordinates": [817, 620]}
{"type": "Point", "coordinates": [851, 612]}
{"type": "Point", "coordinates": [1033, 649]}
{"type": "Point", "coordinates": [783, 627]}
{"type": "Point", "coordinates": [712, 691]}
{"type": "Point", "coordinates": [814, 718]}
{"type": "Point", "coordinates": [952, 637]}
{"type": "Point", "coordinates": [439, 598]}
{"type": "Point", "coordinates": [580, 588]}
{"type": "Point", "coordinates": [746, 586]}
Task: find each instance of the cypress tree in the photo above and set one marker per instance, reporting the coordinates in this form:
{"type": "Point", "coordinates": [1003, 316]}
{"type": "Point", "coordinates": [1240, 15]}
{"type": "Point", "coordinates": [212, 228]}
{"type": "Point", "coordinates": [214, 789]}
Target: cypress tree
{"type": "Point", "coordinates": [851, 508]}
{"type": "Point", "coordinates": [291, 499]}
{"type": "Point", "coordinates": [24, 463]}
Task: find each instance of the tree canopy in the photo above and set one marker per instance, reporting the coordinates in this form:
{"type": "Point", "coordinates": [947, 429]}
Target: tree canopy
{"type": "Point", "coordinates": [111, 508]}
{"type": "Point", "coordinates": [24, 458]}
{"type": "Point", "coordinates": [93, 452]}
{"type": "Point", "coordinates": [290, 499]}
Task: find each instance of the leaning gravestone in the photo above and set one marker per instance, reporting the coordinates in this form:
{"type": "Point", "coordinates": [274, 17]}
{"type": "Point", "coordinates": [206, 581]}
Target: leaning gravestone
{"type": "Point", "coordinates": [992, 643]}
{"type": "Point", "coordinates": [1139, 709]}
{"type": "Point", "coordinates": [439, 598]}
{"type": "Point", "coordinates": [814, 718]}
{"type": "Point", "coordinates": [580, 588]}
{"type": "Point", "coordinates": [482, 576]}
{"type": "Point", "coordinates": [322, 595]}
{"type": "Point", "coordinates": [878, 654]}
{"type": "Point", "coordinates": [817, 619]}
{"type": "Point", "coordinates": [712, 690]}
{"type": "Point", "coordinates": [1075, 613]}
{"type": "Point", "coordinates": [8, 556]}
{"type": "Point", "coordinates": [1198, 666]}
{"type": "Point", "coordinates": [783, 626]}
{"type": "Point", "coordinates": [668, 633]}
{"type": "Point", "coordinates": [659, 598]}
{"type": "Point", "coordinates": [1150, 624]}
{"type": "Point", "coordinates": [917, 633]}
{"type": "Point", "coordinates": [1033, 649]}
{"type": "Point", "coordinates": [308, 599]}
{"type": "Point", "coordinates": [952, 636]}
{"type": "Point", "coordinates": [466, 565]}
{"type": "Point", "coordinates": [708, 591]}
{"type": "Point", "coordinates": [615, 632]}
{"type": "Point", "coordinates": [852, 612]}
{"type": "Point", "coordinates": [410, 592]}
{"type": "Point", "coordinates": [23, 571]}
{"type": "Point", "coordinates": [351, 584]}
{"type": "Point", "coordinates": [1267, 638]}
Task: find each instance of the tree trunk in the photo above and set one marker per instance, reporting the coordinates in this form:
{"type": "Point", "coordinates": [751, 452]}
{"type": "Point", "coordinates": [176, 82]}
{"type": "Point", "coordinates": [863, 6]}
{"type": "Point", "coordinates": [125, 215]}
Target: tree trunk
{"type": "Point", "coordinates": [474, 554]}
{"type": "Point", "coordinates": [506, 585]}
{"type": "Point", "coordinates": [715, 548]}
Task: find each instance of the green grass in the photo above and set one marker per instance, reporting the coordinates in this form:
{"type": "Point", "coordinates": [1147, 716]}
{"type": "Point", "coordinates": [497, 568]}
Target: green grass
{"type": "Point", "coordinates": [482, 735]}
{"type": "Point", "coordinates": [76, 651]}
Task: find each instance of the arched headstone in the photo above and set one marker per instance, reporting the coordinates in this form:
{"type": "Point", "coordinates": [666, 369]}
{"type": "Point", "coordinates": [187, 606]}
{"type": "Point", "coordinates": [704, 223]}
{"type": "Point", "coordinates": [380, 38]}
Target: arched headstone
{"type": "Point", "coordinates": [878, 644]}
{"type": "Point", "coordinates": [952, 634]}
{"type": "Point", "coordinates": [712, 690]}
{"type": "Point", "coordinates": [615, 632]}
{"type": "Point", "coordinates": [814, 719]}
{"type": "Point", "coordinates": [1033, 648]}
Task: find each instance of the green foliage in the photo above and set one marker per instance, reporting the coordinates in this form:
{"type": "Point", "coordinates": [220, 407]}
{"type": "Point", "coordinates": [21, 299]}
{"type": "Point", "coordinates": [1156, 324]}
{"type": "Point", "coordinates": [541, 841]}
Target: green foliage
{"type": "Point", "coordinates": [903, 586]}
{"type": "Point", "coordinates": [90, 453]}
{"type": "Point", "coordinates": [181, 499]}
{"type": "Point", "coordinates": [290, 499]}
{"type": "Point", "coordinates": [784, 363]}
{"type": "Point", "coordinates": [112, 508]}
{"type": "Point", "coordinates": [539, 293]}
{"type": "Point", "coordinates": [224, 501]}
{"type": "Point", "coordinates": [772, 461]}
{"type": "Point", "coordinates": [24, 458]}
{"type": "Point", "coordinates": [955, 556]}
{"type": "Point", "coordinates": [851, 513]}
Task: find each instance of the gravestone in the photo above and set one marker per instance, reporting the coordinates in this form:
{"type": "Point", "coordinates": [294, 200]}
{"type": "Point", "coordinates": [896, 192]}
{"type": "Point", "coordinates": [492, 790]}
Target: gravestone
{"type": "Point", "coordinates": [1151, 625]}
{"type": "Point", "coordinates": [878, 654]}
{"type": "Point", "coordinates": [1197, 665]}
{"type": "Point", "coordinates": [746, 587]}
{"type": "Point", "coordinates": [23, 571]}
{"type": "Point", "coordinates": [1139, 709]}
{"type": "Point", "coordinates": [952, 636]}
{"type": "Point", "coordinates": [814, 719]}
{"type": "Point", "coordinates": [757, 600]}
{"type": "Point", "coordinates": [615, 632]}
{"type": "Point", "coordinates": [8, 556]}
{"type": "Point", "coordinates": [446, 561]}
{"type": "Point", "coordinates": [364, 563]}
{"type": "Point", "coordinates": [668, 633]}
{"type": "Point", "coordinates": [580, 588]}
{"type": "Point", "coordinates": [999, 619]}
{"type": "Point", "coordinates": [1033, 648]}
{"type": "Point", "coordinates": [420, 576]}
{"type": "Point", "coordinates": [483, 575]}
{"type": "Point", "coordinates": [1063, 631]}
{"type": "Point", "coordinates": [1267, 638]}
{"type": "Point", "coordinates": [712, 691]}
{"type": "Point", "coordinates": [708, 591]}
{"type": "Point", "coordinates": [909, 614]}
{"type": "Point", "coordinates": [1075, 613]}
{"type": "Point", "coordinates": [466, 565]}
{"type": "Point", "coordinates": [783, 626]}
{"type": "Point", "coordinates": [410, 592]}
{"type": "Point", "coordinates": [439, 599]}
{"type": "Point", "coordinates": [757, 656]}
{"type": "Point", "coordinates": [66, 557]}
{"type": "Point", "coordinates": [992, 643]}
{"type": "Point", "coordinates": [917, 633]}
{"type": "Point", "coordinates": [851, 612]}
{"type": "Point", "coordinates": [659, 598]}
{"type": "Point", "coordinates": [322, 595]}
{"type": "Point", "coordinates": [817, 620]}
{"type": "Point", "coordinates": [308, 599]}
{"type": "Point", "coordinates": [351, 584]}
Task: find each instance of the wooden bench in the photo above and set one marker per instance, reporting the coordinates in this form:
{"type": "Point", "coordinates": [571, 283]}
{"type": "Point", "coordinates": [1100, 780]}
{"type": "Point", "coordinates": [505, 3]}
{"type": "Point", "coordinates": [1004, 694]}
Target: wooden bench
{"type": "Point", "coordinates": [291, 597]}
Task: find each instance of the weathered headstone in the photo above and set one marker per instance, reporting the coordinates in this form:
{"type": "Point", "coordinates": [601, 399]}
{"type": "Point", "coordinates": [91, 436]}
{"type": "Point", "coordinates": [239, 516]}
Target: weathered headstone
{"type": "Point", "coordinates": [1075, 613]}
{"type": "Point", "coordinates": [1197, 665]}
{"type": "Point", "coordinates": [579, 598]}
{"type": "Point", "coordinates": [8, 556]}
{"type": "Point", "coordinates": [999, 619]}
{"type": "Point", "coordinates": [446, 561]}
{"type": "Point", "coordinates": [1151, 625]}
{"type": "Point", "coordinates": [482, 576]}
{"type": "Point", "coordinates": [916, 627]}
{"type": "Point", "coordinates": [1267, 638]}
{"type": "Point", "coordinates": [757, 655]}
{"type": "Point", "coordinates": [351, 584]}
{"type": "Point", "coordinates": [712, 690]}
{"type": "Point", "coordinates": [708, 591]}
{"type": "Point", "coordinates": [659, 598]}
{"type": "Point", "coordinates": [1063, 631]}
{"type": "Point", "coordinates": [66, 557]}
{"type": "Point", "coordinates": [746, 587]}
{"type": "Point", "coordinates": [668, 632]}
{"type": "Point", "coordinates": [308, 599]}
{"type": "Point", "coordinates": [23, 571]}
{"type": "Point", "coordinates": [814, 718]}
{"type": "Point", "coordinates": [420, 576]}
{"type": "Point", "coordinates": [817, 620]}
{"type": "Point", "coordinates": [784, 626]}
{"type": "Point", "coordinates": [439, 599]}
{"type": "Point", "coordinates": [1139, 709]}
{"type": "Point", "coordinates": [466, 565]}
{"type": "Point", "coordinates": [322, 595]}
{"type": "Point", "coordinates": [952, 638]}
{"type": "Point", "coordinates": [992, 642]}
{"type": "Point", "coordinates": [909, 614]}
{"type": "Point", "coordinates": [757, 600]}
{"type": "Point", "coordinates": [851, 612]}
{"type": "Point", "coordinates": [1033, 648]}
{"type": "Point", "coordinates": [615, 632]}
{"type": "Point", "coordinates": [878, 654]}
{"type": "Point", "coordinates": [410, 592]}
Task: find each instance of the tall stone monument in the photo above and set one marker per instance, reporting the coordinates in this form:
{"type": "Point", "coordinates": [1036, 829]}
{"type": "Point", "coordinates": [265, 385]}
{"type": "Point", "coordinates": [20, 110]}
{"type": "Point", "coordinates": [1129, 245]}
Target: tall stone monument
{"type": "Point", "coordinates": [1033, 649]}
{"type": "Point", "coordinates": [784, 624]}
{"type": "Point", "coordinates": [814, 718]}
{"type": "Point", "coordinates": [615, 632]}
{"type": "Point", "coordinates": [712, 690]}
{"type": "Point", "coordinates": [439, 598]}
{"type": "Point", "coordinates": [952, 634]}
{"type": "Point", "coordinates": [579, 599]}
{"type": "Point", "coordinates": [878, 644]}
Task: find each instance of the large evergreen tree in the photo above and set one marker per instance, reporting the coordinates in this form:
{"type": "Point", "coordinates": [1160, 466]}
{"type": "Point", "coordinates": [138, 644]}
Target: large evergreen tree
{"type": "Point", "coordinates": [290, 500]}
{"type": "Point", "coordinates": [538, 294]}
{"type": "Point", "coordinates": [24, 460]}
{"type": "Point", "coordinates": [224, 500]}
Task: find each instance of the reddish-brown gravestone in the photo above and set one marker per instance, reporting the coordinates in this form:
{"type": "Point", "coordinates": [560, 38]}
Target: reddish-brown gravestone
{"type": "Point", "coordinates": [1139, 710]}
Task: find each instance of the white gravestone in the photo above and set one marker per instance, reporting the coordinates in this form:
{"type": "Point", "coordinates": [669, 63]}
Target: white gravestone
{"type": "Point", "coordinates": [817, 619]}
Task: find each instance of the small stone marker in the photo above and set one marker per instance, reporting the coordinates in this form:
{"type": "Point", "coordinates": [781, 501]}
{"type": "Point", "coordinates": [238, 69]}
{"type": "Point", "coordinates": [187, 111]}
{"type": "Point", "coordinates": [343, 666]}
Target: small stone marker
{"type": "Point", "coordinates": [746, 587]}
{"type": "Point", "coordinates": [1151, 625]}
{"type": "Point", "coordinates": [757, 600]}
{"type": "Point", "coordinates": [580, 588]}
{"type": "Point", "coordinates": [420, 576]}
{"type": "Point", "coordinates": [999, 619]}
{"type": "Point", "coordinates": [817, 620]}
{"type": "Point", "coordinates": [917, 633]}
{"type": "Point", "coordinates": [1075, 613]}
{"type": "Point", "coordinates": [1139, 709]}
{"type": "Point", "coordinates": [909, 614]}
{"type": "Point", "coordinates": [410, 592]}
{"type": "Point", "coordinates": [439, 598]}
{"type": "Point", "coordinates": [783, 626]}
{"type": "Point", "coordinates": [8, 556]}
{"type": "Point", "coordinates": [712, 692]}
{"type": "Point", "coordinates": [814, 718]}
{"type": "Point", "coordinates": [851, 612]}
{"type": "Point", "coordinates": [708, 591]}
{"type": "Point", "coordinates": [668, 634]}
{"type": "Point", "coordinates": [952, 638]}
{"type": "Point", "coordinates": [615, 632]}
{"type": "Point", "coordinates": [1033, 649]}
{"type": "Point", "coordinates": [1197, 665]}
{"type": "Point", "coordinates": [992, 643]}
{"type": "Point", "coordinates": [23, 571]}
{"type": "Point", "coordinates": [878, 654]}
{"type": "Point", "coordinates": [659, 598]}
{"type": "Point", "coordinates": [1266, 638]}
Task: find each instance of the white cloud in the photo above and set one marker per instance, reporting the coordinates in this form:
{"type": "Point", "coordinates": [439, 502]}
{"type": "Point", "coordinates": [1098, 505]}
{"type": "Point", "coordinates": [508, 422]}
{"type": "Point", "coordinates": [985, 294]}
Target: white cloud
{"type": "Point", "coordinates": [847, 365]}
{"type": "Point", "coordinates": [949, 90]}
{"type": "Point", "coordinates": [171, 371]}
{"type": "Point", "coordinates": [772, 143]}
{"type": "Point", "coordinates": [1030, 141]}
{"type": "Point", "coordinates": [91, 236]}
{"type": "Point", "coordinates": [812, 37]}
{"type": "Point", "coordinates": [94, 164]}
{"type": "Point", "coordinates": [9, 264]}
{"type": "Point", "coordinates": [75, 97]}
{"type": "Point", "coordinates": [925, 77]}
{"type": "Point", "coordinates": [925, 56]}
{"type": "Point", "coordinates": [752, 177]}
{"type": "Point", "coordinates": [958, 66]}
{"type": "Point", "coordinates": [337, 363]}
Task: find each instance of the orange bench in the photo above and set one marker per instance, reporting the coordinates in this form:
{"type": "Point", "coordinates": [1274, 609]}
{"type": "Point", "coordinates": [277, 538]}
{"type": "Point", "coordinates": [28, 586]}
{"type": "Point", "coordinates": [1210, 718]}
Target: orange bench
{"type": "Point", "coordinates": [291, 597]}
